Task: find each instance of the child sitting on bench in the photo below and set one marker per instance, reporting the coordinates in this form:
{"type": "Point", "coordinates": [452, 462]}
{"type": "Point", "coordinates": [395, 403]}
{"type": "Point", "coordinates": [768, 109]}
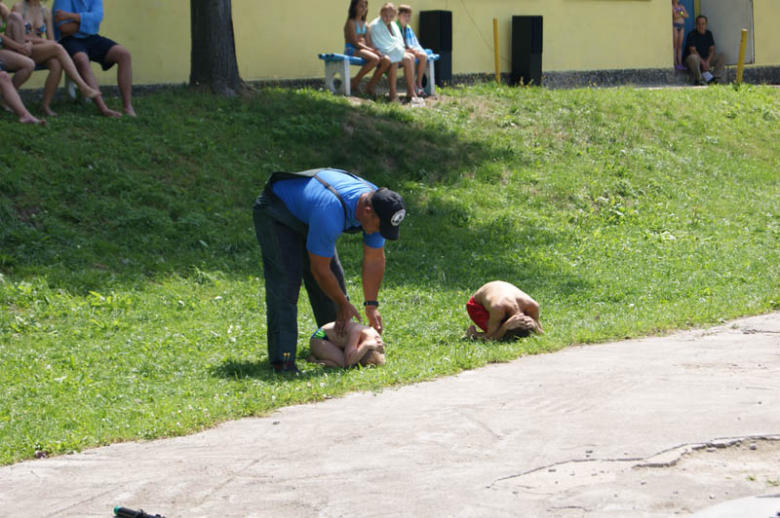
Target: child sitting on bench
{"type": "Point", "coordinates": [386, 38]}
{"type": "Point", "coordinates": [412, 45]}
{"type": "Point", "coordinates": [356, 44]}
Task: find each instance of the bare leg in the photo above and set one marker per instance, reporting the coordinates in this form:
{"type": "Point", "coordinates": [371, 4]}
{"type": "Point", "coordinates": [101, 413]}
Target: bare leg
{"type": "Point", "coordinates": [408, 64]}
{"type": "Point", "coordinates": [384, 64]}
{"type": "Point", "coordinates": [372, 60]}
{"type": "Point", "coordinates": [14, 29]}
{"type": "Point", "coordinates": [81, 61]}
{"type": "Point", "coordinates": [327, 353]}
{"type": "Point", "coordinates": [21, 65]}
{"type": "Point", "coordinates": [45, 51]}
{"type": "Point", "coordinates": [11, 97]}
{"type": "Point", "coordinates": [124, 76]}
{"type": "Point", "coordinates": [392, 75]}
{"type": "Point", "coordinates": [423, 57]}
{"type": "Point", "coordinates": [52, 82]}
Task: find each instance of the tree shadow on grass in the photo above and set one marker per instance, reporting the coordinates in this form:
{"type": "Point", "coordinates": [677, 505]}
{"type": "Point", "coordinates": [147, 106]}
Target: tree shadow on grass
{"type": "Point", "coordinates": [108, 206]}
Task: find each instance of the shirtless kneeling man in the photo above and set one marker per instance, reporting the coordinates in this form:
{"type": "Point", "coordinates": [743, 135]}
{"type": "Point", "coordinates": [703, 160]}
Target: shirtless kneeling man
{"type": "Point", "coordinates": [503, 312]}
{"type": "Point", "coordinates": [360, 344]}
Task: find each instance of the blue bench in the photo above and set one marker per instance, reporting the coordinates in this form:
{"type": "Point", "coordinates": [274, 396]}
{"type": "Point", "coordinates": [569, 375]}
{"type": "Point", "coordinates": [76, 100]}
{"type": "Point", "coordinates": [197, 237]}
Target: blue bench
{"type": "Point", "coordinates": [340, 63]}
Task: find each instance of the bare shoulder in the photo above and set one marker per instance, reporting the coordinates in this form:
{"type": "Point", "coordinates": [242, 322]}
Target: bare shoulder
{"type": "Point", "coordinates": [330, 332]}
{"type": "Point", "coordinates": [495, 291]}
{"type": "Point", "coordinates": [18, 7]}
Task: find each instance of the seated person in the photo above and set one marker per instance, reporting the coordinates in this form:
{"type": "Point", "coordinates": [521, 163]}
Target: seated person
{"type": "Point", "coordinates": [503, 312]}
{"type": "Point", "coordinates": [700, 54]}
{"type": "Point", "coordinates": [361, 344]}
{"type": "Point", "coordinates": [356, 44]}
{"type": "Point", "coordinates": [15, 57]}
{"type": "Point", "coordinates": [385, 37]}
{"type": "Point", "coordinates": [76, 25]}
{"type": "Point", "coordinates": [412, 45]}
{"type": "Point", "coordinates": [47, 52]}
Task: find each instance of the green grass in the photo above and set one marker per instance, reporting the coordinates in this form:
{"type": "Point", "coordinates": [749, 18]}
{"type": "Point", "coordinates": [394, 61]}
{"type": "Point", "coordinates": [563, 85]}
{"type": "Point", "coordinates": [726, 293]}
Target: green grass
{"type": "Point", "coordinates": [131, 300]}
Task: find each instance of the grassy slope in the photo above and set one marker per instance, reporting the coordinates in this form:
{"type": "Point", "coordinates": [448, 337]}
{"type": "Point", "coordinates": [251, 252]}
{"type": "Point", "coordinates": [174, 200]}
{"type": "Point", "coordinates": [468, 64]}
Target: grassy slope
{"type": "Point", "coordinates": [130, 296]}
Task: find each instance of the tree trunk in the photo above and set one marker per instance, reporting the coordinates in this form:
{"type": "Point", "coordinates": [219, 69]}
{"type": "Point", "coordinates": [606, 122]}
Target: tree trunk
{"type": "Point", "coordinates": [214, 61]}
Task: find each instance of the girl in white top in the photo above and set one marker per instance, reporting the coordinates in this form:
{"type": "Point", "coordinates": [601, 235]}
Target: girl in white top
{"type": "Point", "coordinates": [386, 38]}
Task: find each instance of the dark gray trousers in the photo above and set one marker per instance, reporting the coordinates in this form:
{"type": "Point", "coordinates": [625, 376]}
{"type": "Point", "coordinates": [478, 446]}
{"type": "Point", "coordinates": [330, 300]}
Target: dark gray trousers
{"type": "Point", "coordinates": [282, 239]}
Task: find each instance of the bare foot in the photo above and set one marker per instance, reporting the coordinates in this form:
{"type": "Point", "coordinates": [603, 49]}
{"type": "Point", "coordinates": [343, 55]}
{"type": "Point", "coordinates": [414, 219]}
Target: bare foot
{"type": "Point", "coordinates": [354, 87]}
{"type": "Point", "coordinates": [49, 112]}
{"type": "Point", "coordinates": [110, 113]}
{"type": "Point", "coordinates": [29, 119]}
{"type": "Point", "coordinates": [90, 93]}
{"type": "Point", "coordinates": [129, 111]}
{"type": "Point", "coordinates": [370, 91]}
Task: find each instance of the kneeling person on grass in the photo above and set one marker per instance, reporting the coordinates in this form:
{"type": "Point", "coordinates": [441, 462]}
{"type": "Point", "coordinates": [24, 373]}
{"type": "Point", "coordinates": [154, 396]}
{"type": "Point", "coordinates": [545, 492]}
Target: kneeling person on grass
{"type": "Point", "coordinates": [361, 344]}
{"type": "Point", "coordinates": [503, 311]}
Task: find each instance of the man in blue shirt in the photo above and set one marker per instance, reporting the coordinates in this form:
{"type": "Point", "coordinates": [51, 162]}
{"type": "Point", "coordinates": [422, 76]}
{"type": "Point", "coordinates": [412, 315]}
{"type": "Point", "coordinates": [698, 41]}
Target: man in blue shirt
{"type": "Point", "coordinates": [76, 26]}
{"type": "Point", "coordinates": [298, 218]}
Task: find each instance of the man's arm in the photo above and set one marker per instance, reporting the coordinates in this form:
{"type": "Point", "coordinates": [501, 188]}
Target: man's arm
{"type": "Point", "coordinates": [320, 269]}
{"type": "Point", "coordinates": [68, 29]}
{"type": "Point", "coordinates": [712, 53]}
{"type": "Point", "coordinates": [373, 273]}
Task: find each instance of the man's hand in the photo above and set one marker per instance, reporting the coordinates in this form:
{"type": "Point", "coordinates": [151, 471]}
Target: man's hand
{"type": "Point", "coordinates": [374, 318]}
{"type": "Point", "coordinates": [345, 315]}
{"type": "Point", "coordinates": [61, 16]}
{"type": "Point", "coordinates": [705, 65]}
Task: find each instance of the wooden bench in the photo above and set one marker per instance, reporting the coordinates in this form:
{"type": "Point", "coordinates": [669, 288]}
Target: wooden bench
{"type": "Point", "coordinates": [338, 64]}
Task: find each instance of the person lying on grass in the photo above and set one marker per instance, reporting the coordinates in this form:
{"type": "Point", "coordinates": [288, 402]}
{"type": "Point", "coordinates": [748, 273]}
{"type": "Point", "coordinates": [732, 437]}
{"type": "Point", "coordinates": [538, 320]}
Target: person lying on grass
{"type": "Point", "coordinates": [503, 312]}
{"type": "Point", "coordinates": [361, 344]}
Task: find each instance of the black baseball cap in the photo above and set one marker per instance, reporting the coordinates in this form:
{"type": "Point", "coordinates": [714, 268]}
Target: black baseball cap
{"type": "Point", "coordinates": [391, 209]}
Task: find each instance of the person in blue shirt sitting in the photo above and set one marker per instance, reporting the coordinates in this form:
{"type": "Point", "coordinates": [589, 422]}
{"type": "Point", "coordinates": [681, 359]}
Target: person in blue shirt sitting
{"type": "Point", "coordinates": [76, 26]}
{"type": "Point", "coordinates": [413, 45]}
{"type": "Point", "coordinates": [298, 218]}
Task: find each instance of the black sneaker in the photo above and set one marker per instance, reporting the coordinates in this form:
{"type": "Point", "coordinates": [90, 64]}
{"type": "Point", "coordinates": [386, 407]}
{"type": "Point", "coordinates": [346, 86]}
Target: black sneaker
{"type": "Point", "coordinates": [286, 368]}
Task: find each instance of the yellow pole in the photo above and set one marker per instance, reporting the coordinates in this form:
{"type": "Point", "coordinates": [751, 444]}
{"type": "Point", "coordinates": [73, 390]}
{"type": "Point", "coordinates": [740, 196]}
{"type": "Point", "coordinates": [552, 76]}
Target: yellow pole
{"type": "Point", "coordinates": [495, 47]}
{"type": "Point", "coordinates": [741, 62]}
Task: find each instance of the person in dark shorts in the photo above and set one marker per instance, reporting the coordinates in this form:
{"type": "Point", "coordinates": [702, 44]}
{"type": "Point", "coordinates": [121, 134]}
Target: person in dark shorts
{"type": "Point", "coordinates": [77, 23]}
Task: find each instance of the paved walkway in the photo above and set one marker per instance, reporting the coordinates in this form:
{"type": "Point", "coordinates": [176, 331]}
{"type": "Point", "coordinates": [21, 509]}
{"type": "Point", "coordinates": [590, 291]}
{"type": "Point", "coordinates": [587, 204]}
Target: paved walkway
{"type": "Point", "coordinates": [641, 428]}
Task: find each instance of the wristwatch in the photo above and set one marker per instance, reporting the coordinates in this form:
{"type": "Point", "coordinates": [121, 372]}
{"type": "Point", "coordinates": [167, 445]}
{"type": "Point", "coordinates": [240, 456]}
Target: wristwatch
{"type": "Point", "coordinates": [371, 303]}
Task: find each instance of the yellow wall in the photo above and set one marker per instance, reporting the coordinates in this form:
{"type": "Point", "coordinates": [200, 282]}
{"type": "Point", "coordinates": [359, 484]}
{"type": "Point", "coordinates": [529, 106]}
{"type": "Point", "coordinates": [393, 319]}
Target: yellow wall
{"type": "Point", "coordinates": [280, 39]}
{"type": "Point", "coordinates": [766, 14]}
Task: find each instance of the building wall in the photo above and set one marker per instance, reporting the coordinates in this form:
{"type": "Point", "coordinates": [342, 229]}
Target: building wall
{"type": "Point", "coordinates": [280, 39]}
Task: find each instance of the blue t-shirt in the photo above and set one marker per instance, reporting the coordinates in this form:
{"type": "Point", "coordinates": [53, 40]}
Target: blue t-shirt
{"type": "Point", "coordinates": [91, 12]}
{"type": "Point", "coordinates": [318, 207]}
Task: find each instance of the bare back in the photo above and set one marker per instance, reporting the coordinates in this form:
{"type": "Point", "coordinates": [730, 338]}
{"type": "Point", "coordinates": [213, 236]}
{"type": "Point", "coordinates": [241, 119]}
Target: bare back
{"type": "Point", "coordinates": [503, 301]}
{"type": "Point", "coordinates": [340, 341]}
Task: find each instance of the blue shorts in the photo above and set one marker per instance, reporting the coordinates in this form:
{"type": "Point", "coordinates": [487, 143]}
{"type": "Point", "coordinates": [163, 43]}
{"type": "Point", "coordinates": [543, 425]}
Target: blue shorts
{"type": "Point", "coordinates": [95, 47]}
{"type": "Point", "coordinates": [350, 49]}
{"type": "Point", "coordinates": [320, 334]}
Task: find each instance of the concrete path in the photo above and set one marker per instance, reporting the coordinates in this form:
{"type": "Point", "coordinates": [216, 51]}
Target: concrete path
{"type": "Point", "coordinates": [641, 428]}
